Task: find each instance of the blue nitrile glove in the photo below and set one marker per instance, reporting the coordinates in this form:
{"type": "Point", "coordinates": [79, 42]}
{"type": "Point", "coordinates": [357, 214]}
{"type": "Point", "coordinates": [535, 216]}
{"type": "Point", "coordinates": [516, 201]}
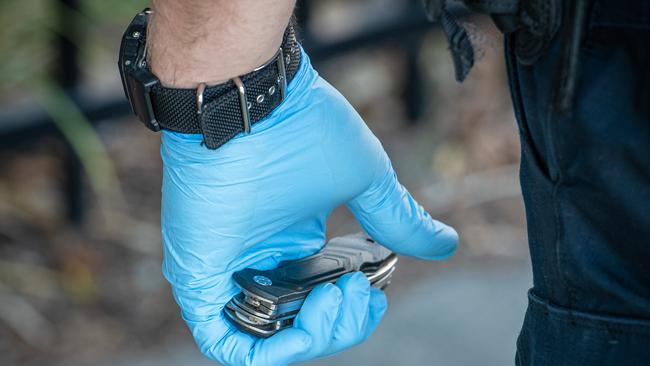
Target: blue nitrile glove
{"type": "Point", "coordinates": [263, 198]}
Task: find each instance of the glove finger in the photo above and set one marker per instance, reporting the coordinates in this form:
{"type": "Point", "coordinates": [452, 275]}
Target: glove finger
{"type": "Point", "coordinates": [318, 317]}
{"type": "Point", "coordinates": [283, 348]}
{"type": "Point", "coordinates": [351, 324]}
{"type": "Point", "coordinates": [389, 214]}
{"type": "Point", "coordinates": [238, 348]}
{"type": "Point", "coordinates": [377, 307]}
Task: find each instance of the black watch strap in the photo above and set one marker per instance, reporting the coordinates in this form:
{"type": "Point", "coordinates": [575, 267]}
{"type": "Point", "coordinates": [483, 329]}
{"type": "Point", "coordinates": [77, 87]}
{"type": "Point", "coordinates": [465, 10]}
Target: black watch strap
{"type": "Point", "coordinates": [222, 111]}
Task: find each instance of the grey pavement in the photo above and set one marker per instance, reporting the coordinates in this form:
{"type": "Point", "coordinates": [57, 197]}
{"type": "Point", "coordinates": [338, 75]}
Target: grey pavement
{"type": "Point", "coordinates": [468, 313]}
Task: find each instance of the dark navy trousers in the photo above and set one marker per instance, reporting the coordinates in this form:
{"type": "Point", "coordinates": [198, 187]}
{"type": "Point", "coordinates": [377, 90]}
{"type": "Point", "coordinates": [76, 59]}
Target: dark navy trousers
{"type": "Point", "coordinates": [585, 177]}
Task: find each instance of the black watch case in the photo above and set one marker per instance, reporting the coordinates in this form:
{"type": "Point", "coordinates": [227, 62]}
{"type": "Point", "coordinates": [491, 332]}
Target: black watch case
{"type": "Point", "coordinates": [137, 80]}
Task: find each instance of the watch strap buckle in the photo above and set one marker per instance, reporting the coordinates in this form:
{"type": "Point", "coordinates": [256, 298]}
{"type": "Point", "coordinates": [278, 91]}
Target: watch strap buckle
{"type": "Point", "coordinates": [235, 111]}
{"type": "Point", "coordinates": [243, 103]}
{"type": "Point", "coordinates": [282, 75]}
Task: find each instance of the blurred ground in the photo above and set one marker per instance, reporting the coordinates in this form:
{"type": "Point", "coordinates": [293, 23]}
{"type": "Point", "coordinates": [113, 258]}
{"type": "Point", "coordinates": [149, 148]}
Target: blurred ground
{"type": "Point", "coordinates": [462, 316]}
{"type": "Point", "coordinates": [95, 295]}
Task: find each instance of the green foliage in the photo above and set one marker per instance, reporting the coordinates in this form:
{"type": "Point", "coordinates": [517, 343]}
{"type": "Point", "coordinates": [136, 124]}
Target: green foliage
{"type": "Point", "coordinates": [83, 139]}
{"type": "Point", "coordinates": [30, 29]}
{"type": "Point", "coordinates": [28, 45]}
{"type": "Point", "coordinates": [24, 43]}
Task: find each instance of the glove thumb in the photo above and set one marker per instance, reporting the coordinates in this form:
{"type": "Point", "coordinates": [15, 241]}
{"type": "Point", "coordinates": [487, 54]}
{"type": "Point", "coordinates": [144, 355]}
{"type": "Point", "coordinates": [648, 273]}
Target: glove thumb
{"type": "Point", "coordinates": [390, 215]}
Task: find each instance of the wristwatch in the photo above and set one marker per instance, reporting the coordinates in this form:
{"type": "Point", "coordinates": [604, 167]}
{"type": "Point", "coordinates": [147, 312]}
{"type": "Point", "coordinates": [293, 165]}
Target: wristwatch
{"type": "Point", "coordinates": [218, 112]}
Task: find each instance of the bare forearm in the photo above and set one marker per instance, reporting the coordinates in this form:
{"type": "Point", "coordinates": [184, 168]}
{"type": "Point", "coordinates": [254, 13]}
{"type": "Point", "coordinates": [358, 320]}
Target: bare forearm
{"type": "Point", "coordinates": [211, 41]}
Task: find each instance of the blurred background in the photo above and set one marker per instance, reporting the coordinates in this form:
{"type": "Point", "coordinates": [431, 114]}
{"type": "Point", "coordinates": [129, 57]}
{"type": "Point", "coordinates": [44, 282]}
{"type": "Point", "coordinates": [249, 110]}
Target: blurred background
{"type": "Point", "coordinates": [80, 253]}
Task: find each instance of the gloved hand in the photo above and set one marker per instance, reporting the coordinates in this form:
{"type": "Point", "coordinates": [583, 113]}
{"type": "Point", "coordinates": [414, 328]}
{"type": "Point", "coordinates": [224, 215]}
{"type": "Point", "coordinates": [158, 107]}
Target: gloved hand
{"type": "Point", "coordinates": [263, 198]}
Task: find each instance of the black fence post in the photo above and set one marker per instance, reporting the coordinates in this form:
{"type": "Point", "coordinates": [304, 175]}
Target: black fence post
{"type": "Point", "coordinates": [414, 93]}
{"type": "Point", "coordinates": [68, 77]}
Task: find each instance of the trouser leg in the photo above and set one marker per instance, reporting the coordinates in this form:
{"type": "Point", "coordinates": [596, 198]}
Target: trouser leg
{"type": "Point", "coordinates": [585, 178]}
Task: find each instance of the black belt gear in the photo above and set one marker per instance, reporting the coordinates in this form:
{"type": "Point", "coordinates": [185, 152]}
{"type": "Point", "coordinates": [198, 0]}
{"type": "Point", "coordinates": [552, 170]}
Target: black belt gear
{"type": "Point", "coordinates": [535, 21]}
